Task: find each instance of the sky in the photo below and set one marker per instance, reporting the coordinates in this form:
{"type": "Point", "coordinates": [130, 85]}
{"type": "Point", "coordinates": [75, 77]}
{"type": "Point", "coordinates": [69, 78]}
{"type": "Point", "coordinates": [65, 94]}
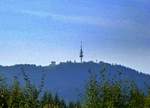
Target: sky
{"type": "Point", "coordinates": [41, 31]}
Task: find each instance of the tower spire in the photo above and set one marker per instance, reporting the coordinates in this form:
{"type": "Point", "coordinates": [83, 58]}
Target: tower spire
{"type": "Point", "coordinates": [81, 53]}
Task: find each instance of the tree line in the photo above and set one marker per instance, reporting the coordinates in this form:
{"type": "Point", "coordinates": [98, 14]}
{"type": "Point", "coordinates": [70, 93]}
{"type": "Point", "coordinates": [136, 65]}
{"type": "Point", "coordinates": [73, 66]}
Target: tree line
{"type": "Point", "coordinates": [100, 93]}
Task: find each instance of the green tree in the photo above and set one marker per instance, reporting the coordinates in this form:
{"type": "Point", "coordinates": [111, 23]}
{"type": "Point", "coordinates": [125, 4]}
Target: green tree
{"type": "Point", "coordinates": [136, 98]}
{"type": "Point", "coordinates": [92, 93]}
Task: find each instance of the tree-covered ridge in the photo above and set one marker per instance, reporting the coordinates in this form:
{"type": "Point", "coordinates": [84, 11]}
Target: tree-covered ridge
{"type": "Point", "coordinates": [69, 79]}
{"type": "Point", "coordinates": [100, 93]}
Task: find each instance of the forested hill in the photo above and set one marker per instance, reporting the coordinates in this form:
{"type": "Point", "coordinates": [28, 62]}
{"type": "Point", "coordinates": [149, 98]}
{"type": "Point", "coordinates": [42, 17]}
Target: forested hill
{"type": "Point", "coordinates": [69, 79]}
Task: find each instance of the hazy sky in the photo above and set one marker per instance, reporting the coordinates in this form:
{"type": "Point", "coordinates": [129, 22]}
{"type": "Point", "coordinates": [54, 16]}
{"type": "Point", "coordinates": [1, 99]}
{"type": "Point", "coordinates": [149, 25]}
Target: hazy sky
{"type": "Point", "coordinates": [39, 31]}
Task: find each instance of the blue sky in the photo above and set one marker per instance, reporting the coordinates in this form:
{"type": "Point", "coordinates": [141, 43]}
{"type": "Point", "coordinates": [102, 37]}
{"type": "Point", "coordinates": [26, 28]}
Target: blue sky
{"type": "Point", "coordinates": [39, 31]}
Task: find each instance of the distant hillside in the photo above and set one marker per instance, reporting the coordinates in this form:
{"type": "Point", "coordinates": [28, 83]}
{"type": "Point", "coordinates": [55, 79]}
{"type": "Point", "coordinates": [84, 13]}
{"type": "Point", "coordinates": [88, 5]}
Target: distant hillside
{"type": "Point", "coordinates": [69, 79]}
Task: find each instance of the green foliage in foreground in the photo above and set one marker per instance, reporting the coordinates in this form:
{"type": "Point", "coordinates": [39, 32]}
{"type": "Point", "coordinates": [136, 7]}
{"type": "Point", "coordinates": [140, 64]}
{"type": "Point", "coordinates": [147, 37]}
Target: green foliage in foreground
{"type": "Point", "coordinates": [99, 94]}
{"type": "Point", "coordinates": [103, 94]}
{"type": "Point", "coordinates": [30, 96]}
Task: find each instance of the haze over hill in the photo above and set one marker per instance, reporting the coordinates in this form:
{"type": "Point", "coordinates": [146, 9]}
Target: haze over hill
{"type": "Point", "coordinates": [69, 79]}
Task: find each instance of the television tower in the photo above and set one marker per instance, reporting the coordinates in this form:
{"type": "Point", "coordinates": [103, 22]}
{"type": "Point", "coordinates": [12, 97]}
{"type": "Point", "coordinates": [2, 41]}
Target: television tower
{"type": "Point", "coordinates": [81, 53]}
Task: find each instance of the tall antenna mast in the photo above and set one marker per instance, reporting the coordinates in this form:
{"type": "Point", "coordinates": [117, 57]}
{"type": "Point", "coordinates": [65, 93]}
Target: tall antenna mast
{"type": "Point", "coordinates": [81, 53]}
